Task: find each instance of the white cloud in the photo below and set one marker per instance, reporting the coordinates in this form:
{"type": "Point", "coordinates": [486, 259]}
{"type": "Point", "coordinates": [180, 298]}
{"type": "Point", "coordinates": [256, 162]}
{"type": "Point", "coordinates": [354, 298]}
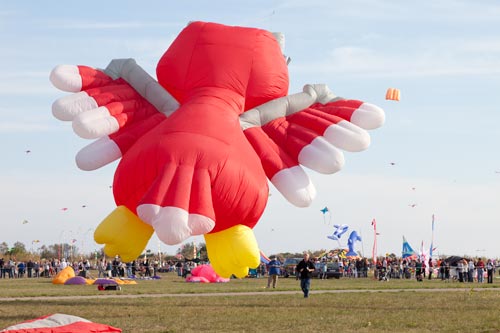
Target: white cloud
{"type": "Point", "coordinates": [402, 11]}
{"type": "Point", "coordinates": [447, 57]}
{"type": "Point", "coordinates": [9, 126]}
{"type": "Point", "coordinates": [17, 119]}
{"type": "Point", "coordinates": [99, 25]}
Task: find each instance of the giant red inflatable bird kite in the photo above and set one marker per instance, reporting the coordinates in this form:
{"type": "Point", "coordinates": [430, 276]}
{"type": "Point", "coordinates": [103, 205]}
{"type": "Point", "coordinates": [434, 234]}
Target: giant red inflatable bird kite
{"type": "Point", "coordinates": [197, 145]}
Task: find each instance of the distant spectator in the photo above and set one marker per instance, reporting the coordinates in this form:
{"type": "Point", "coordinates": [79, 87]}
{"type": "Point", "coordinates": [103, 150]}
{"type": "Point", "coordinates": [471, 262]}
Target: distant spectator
{"type": "Point", "coordinates": [460, 270]}
{"type": "Point", "coordinates": [109, 269]}
{"type": "Point", "coordinates": [178, 268]}
{"type": "Point", "coordinates": [2, 268]}
{"type": "Point", "coordinates": [490, 270]}
{"type": "Point", "coordinates": [480, 270]}
{"type": "Point", "coordinates": [471, 270]}
{"type": "Point", "coordinates": [36, 269]}
{"type": "Point", "coordinates": [21, 269]}
{"type": "Point", "coordinates": [274, 271]}
{"type": "Point", "coordinates": [324, 270]}
{"type": "Point", "coordinates": [418, 270]}
{"type": "Point", "coordinates": [29, 268]}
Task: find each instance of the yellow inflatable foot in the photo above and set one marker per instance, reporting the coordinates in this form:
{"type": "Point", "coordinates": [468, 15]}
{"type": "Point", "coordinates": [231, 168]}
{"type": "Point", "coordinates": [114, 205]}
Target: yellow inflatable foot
{"type": "Point", "coordinates": [233, 251]}
{"type": "Point", "coordinates": [123, 234]}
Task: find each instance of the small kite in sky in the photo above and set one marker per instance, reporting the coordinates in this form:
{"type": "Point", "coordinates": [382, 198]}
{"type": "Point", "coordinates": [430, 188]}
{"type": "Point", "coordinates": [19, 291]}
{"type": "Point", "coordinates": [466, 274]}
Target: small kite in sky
{"type": "Point", "coordinates": [64, 209]}
{"type": "Point", "coordinates": [25, 221]}
{"type": "Point", "coordinates": [27, 151]}
{"type": "Point", "coordinates": [339, 231]}
{"type": "Point", "coordinates": [412, 205]}
{"type": "Point", "coordinates": [83, 206]}
{"type": "Point", "coordinates": [392, 163]}
{"type": "Point", "coordinates": [392, 94]}
{"type": "Point", "coordinates": [326, 211]}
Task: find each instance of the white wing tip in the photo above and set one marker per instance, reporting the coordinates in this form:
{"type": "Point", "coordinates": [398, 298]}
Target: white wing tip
{"type": "Point", "coordinates": [95, 123]}
{"type": "Point", "coordinates": [368, 116]}
{"type": "Point", "coordinates": [67, 107]}
{"type": "Point", "coordinates": [295, 186]}
{"type": "Point", "coordinates": [321, 156]}
{"type": "Point", "coordinates": [66, 78]}
{"type": "Point", "coordinates": [98, 154]}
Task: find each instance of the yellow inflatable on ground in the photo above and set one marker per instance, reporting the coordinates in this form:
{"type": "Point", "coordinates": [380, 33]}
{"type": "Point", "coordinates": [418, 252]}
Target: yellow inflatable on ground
{"type": "Point", "coordinates": [120, 281]}
{"type": "Point", "coordinates": [63, 275]}
{"type": "Point", "coordinates": [68, 273]}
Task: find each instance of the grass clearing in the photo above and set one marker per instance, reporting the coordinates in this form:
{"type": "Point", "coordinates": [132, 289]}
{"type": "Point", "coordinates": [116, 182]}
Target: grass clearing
{"type": "Point", "coordinates": [409, 306]}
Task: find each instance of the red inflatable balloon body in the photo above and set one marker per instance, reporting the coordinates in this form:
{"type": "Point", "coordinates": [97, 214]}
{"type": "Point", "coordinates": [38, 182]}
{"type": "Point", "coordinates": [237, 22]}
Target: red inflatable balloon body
{"type": "Point", "coordinates": [198, 146]}
{"type": "Point", "coordinates": [198, 159]}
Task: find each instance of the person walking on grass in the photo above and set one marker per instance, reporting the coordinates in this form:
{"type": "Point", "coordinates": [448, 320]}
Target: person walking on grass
{"type": "Point", "coordinates": [305, 268]}
{"type": "Point", "coordinates": [274, 271]}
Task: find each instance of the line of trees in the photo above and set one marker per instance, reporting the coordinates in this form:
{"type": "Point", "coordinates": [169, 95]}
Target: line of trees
{"type": "Point", "coordinates": [18, 250]}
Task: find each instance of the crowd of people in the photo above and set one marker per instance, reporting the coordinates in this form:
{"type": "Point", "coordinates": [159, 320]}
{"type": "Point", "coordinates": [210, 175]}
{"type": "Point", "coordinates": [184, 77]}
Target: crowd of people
{"type": "Point", "coordinates": [347, 267]}
{"type": "Point", "coordinates": [11, 268]}
{"type": "Point", "coordinates": [447, 269]}
{"type": "Point", "coordinates": [102, 268]}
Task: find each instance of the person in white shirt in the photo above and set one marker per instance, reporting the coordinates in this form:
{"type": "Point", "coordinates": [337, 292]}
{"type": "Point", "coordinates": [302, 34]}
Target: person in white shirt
{"type": "Point", "coordinates": [63, 264]}
{"type": "Point", "coordinates": [472, 267]}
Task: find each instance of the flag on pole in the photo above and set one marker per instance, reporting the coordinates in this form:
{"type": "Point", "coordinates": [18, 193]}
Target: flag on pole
{"type": "Point", "coordinates": [432, 238]}
{"type": "Point", "coordinates": [422, 252]}
{"type": "Point", "coordinates": [374, 249]}
{"type": "Point", "coordinates": [408, 251]}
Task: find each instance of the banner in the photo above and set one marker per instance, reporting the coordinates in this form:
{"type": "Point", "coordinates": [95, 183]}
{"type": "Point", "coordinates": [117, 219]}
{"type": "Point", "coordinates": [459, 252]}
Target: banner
{"type": "Point", "coordinates": [374, 249]}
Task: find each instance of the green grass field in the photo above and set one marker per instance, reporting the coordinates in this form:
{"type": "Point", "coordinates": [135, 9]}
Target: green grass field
{"type": "Point", "coordinates": [245, 305]}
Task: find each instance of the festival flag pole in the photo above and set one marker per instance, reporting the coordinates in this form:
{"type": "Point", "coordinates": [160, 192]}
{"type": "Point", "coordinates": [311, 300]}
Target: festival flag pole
{"type": "Point", "coordinates": [362, 243]}
{"type": "Point", "coordinates": [374, 249]}
{"type": "Point", "coordinates": [432, 237]}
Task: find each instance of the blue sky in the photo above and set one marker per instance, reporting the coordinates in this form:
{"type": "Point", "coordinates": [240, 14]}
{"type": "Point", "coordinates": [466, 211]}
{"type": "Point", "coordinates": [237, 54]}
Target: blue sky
{"type": "Point", "coordinates": [443, 136]}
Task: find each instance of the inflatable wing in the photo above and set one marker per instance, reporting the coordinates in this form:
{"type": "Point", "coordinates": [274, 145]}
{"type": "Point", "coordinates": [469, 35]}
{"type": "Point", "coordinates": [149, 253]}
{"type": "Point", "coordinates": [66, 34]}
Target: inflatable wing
{"type": "Point", "coordinates": [116, 106]}
{"type": "Point", "coordinates": [309, 129]}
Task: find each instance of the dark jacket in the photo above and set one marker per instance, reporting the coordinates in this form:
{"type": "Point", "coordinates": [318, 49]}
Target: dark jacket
{"type": "Point", "coordinates": [302, 266]}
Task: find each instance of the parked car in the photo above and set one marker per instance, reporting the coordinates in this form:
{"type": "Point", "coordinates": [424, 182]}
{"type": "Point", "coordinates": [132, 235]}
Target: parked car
{"type": "Point", "coordinates": [332, 271]}
{"type": "Point", "coordinates": [289, 266]}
